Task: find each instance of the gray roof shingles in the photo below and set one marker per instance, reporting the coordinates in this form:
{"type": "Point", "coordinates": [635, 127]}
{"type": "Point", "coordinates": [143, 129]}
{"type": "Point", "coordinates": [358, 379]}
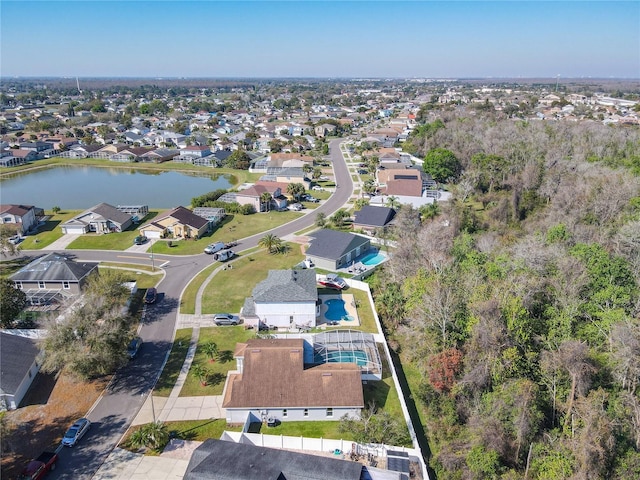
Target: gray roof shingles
{"type": "Point", "coordinates": [374, 216]}
{"type": "Point", "coordinates": [333, 244]}
{"type": "Point", "coordinates": [287, 286]}
{"type": "Point", "coordinates": [16, 357]}
{"type": "Point", "coordinates": [54, 267]}
{"type": "Point", "coordinates": [221, 460]}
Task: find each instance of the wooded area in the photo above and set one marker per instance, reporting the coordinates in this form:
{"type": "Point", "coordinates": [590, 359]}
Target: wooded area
{"type": "Point", "coordinates": [519, 304]}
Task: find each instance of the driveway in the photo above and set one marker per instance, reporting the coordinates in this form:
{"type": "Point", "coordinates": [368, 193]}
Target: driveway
{"type": "Point", "coordinates": [63, 242]}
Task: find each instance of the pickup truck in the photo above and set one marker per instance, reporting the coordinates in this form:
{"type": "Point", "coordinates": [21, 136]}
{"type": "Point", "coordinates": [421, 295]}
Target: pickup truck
{"type": "Point", "coordinates": [39, 467]}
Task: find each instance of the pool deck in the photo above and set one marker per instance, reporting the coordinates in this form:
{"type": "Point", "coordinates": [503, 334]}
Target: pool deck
{"type": "Point", "coordinates": [349, 306]}
{"type": "Point", "coordinates": [356, 267]}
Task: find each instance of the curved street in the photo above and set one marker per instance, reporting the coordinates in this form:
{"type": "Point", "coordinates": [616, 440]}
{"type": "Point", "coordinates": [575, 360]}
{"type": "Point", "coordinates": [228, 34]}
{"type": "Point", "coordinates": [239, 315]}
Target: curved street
{"type": "Point", "coordinates": [115, 409]}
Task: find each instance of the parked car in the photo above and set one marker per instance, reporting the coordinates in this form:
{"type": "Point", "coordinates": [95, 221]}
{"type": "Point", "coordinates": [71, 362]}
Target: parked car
{"type": "Point", "coordinates": [311, 199]}
{"type": "Point", "coordinates": [134, 347]}
{"type": "Point", "coordinates": [39, 467]}
{"type": "Point", "coordinates": [140, 240]}
{"type": "Point", "coordinates": [151, 295]}
{"type": "Point", "coordinates": [317, 188]}
{"type": "Point", "coordinates": [224, 319]}
{"type": "Point", "coordinates": [295, 207]}
{"type": "Point", "coordinates": [214, 247]}
{"type": "Point", "coordinates": [223, 255]}
{"type": "Point", "coordinates": [15, 240]}
{"type": "Point", "coordinates": [76, 432]}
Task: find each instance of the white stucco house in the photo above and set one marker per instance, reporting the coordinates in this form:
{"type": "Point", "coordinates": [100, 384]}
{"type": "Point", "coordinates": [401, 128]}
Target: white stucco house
{"type": "Point", "coordinates": [287, 298]}
{"type": "Point", "coordinates": [21, 359]}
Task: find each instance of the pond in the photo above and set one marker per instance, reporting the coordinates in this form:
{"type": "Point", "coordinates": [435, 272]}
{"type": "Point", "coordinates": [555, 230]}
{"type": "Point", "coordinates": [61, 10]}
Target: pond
{"type": "Point", "coordinates": [81, 187]}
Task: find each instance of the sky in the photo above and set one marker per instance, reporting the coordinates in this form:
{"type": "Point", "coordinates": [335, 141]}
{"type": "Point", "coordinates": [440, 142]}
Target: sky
{"type": "Point", "coordinates": [327, 39]}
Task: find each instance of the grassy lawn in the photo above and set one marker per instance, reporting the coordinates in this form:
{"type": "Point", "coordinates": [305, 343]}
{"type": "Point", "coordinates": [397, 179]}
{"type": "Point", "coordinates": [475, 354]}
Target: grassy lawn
{"type": "Point", "coordinates": [188, 299]}
{"type": "Point", "coordinates": [129, 266]}
{"type": "Point", "coordinates": [383, 393]}
{"type": "Point", "coordinates": [49, 232]}
{"type": "Point", "coordinates": [233, 227]}
{"type": "Point", "coordinates": [321, 429]}
{"type": "Point", "coordinates": [228, 290]}
{"type": "Point", "coordinates": [196, 430]}
{"type": "Point", "coordinates": [143, 280]}
{"type": "Point", "coordinates": [111, 241]}
{"type": "Point", "coordinates": [225, 338]}
{"type": "Point", "coordinates": [176, 358]}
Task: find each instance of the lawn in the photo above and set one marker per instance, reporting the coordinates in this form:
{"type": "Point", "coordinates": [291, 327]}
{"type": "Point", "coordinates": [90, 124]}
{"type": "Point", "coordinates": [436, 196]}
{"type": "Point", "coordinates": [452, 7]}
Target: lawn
{"type": "Point", "coordinates": [229, 288]}
{"type": "Point", "coordinates": [233, 227]}
{"type": "Point", "coordinates": [176, 359]}
{"type": "Point", "coordinates": [143, 279]}
{"type": "Point", "coordinates": [321, 429]}
{"type": "Point", "coordinates": [111, 241]}
{"type": "Point", "coordinates": [383, 393]}
{"type": "Point", "coordinates": [225, 338]}
{"type": "Point", "coordinates": [49, 232]}
{"type": "Point", "coordinates": [195, 430]}
{"type": "Point", "coordinates": [188, 299]}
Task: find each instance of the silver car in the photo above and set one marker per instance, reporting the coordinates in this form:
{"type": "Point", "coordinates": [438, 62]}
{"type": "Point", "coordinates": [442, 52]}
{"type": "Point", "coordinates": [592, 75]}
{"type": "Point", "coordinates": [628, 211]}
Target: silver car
{"type": "Point", "coordinates": [76, 432]}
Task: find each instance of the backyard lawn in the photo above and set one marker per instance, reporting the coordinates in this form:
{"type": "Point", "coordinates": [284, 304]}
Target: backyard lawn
{"type": "Point", "coordinates": [229, 288]}
{"type": "Point", "coordinates": [225, 339]}
{"type": "Point", "coordinates": [321, 429]}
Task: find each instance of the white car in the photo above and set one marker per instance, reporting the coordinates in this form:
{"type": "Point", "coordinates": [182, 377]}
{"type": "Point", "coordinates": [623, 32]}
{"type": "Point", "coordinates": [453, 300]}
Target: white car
{"type": "Point", "coordinates": [317, 188]}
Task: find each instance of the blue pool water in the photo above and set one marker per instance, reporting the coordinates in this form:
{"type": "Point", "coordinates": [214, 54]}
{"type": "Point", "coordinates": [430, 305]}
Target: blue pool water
{"type": "Point", "coordinates": [335, 309]}
{"type": "Point", "coordinates": [373, 258]}
{"type": "Point", "coordinates": [335, 356]}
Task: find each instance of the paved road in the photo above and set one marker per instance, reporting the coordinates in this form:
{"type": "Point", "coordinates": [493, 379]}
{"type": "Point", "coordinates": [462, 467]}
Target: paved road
{"type": "Point", "coordinates": [115, 410]}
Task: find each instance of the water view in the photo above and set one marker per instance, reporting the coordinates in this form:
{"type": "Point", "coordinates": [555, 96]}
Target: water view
{"type": "Point", "coordinates": [81, 187]}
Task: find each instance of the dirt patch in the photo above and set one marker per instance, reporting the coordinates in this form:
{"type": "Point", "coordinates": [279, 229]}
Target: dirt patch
{"type": "Point", "coordinates": [50, 406]}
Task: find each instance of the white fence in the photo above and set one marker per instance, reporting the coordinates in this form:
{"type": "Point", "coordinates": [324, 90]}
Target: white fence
{"type": "Point", "coordinates": [341, 448]}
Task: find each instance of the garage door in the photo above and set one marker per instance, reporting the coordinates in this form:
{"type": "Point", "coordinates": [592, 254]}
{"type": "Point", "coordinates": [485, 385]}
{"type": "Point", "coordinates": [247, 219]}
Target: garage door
{"type": "Point", "coordinates": [151, 233]}
{"type": "Point", "coordinates": [74, 230]}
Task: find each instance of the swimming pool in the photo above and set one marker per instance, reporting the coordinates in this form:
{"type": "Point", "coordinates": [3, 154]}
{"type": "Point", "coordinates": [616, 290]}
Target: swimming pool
{"type": "Point", "coordinates": [336, 356]}
{"type": "Point", "coordinates": [372, 258]}
{"type": "Point", "coordinates": [336, 310]}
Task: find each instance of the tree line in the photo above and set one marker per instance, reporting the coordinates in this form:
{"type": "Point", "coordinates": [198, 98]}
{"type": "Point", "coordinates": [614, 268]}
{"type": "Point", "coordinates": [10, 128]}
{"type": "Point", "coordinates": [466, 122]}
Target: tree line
{"type": "Point", "coordinates": [518, 302]}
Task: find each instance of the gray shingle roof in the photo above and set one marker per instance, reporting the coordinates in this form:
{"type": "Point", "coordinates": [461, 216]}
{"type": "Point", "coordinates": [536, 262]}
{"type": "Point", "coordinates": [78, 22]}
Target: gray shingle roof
{"type": "Point", "coordinates": [333, 244]}
{"type": "Point", "coordinates": [374, 216]}
{"type": "Point", "coordinates": [287, 286]}
{"type": "Point", "coordinates": [221, 460]}
{"type": "Point", "coordinates": [54, 267]}
{"type": "Point", "coordinates": [111, 213]}
{"type": "Point", "coordinates": [16, 356]}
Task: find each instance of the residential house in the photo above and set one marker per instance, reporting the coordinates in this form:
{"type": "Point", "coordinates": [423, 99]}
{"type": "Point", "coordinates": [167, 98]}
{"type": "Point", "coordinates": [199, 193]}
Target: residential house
{"type": "Point", "coordinates": [23, 217]}
{"type": "Point", "coordinates": [324, 129]}
{"type": "Point", "coordinates": [272, 381]}
{"type": "Point", "coordinates": [332, 249]}
{"type": "Point", "coordinates": [22, 156]}
{"type": "Point", "coordinates": [131, 154]}
{"type": "Point", "coordinates": [50, 278]}
{"type": "Point", "coordinates": [102, 218]}
{"type": "Point", "coordinates": [20, 360]}
{"type": "Point", "coordinates": [224, 460]}
{"type": "Point", "coordinates": [179, 222]}
{"type": "Point", "coordinates": [400, 181]}
{"type": "Point", "coordinates": [370, 219]}
{"type": "Point", "coordinates": [285, 299]}
{"type": "Point", "coordinates": [159, 155]}
{"type": "Point", "coordinates": [253, 196]}
{"type": "Point", "coordinates": [278, 193]}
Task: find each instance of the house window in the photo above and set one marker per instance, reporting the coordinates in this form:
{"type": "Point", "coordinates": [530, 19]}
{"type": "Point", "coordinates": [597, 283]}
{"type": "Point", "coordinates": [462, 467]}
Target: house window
{"type": "Point", "coordinates": [65, 285]}
{"type": "Point", "coordinates": [306, 412]}
{"type": "Point", "coordinates": [329, 412]}
{"type": "Point", "coordinates": [284, 413]}
{"type": "Point", "coordinates": [41, 284]}
{"type": "Point", "coordinates": [18, 285]}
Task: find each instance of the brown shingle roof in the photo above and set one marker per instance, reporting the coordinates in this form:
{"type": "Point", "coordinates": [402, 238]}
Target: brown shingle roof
{"type": "Point", "coordinates": [274, 376]}
{"type": "Point", "coordinates": [184, 216]}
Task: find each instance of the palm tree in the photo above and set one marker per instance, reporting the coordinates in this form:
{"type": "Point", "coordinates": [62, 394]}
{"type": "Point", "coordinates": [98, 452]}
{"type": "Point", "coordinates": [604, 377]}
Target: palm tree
{"type": "Point", "coordinates": [201, 373]}
{"type": "Point", "coordinates": [211, 350]}
{"type": "Point", "coordinates": [152, 435]}
{"type": "Point", "coordinates": [339, 217]}
{"type": "Point", "coordinates": [295, 189]}
{"type": "Point", "coordinates": [321, 219]}
{"type": "Point", "coordinates": [265, 200]}
{"type": "Point", "coordinates": [393, 202]}
{"type": "Point", "coordinates": [271, 243]}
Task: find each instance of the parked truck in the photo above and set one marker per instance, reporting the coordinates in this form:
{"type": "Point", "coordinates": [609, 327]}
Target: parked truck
{"type": "Point", "coordinates": [223, 255]}
{"type": "Point", "coordinates": [39, 467]}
